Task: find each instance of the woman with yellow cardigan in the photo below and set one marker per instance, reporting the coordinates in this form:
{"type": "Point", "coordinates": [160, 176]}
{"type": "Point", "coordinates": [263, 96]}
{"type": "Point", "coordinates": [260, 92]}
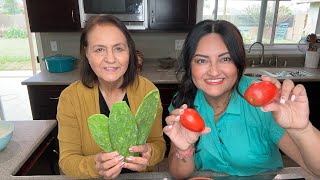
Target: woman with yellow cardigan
{"type": "Point", "coordinates": [108, 72]}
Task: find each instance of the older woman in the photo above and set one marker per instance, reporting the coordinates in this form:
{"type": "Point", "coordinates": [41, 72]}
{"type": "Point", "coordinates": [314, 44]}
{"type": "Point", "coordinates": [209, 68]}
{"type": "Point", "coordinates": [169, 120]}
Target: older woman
{"type": "Point", "coordinates": [108, 72]}
{"type": "Point", "coordinates": [239, 139]}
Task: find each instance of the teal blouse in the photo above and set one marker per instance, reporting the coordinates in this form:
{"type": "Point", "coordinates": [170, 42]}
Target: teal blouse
{"type": "Point", "coordinates": [244, 140]}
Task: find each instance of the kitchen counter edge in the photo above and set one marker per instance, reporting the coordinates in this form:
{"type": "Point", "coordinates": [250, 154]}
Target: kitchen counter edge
{"type": "Point", "coordinates": [152, 72]}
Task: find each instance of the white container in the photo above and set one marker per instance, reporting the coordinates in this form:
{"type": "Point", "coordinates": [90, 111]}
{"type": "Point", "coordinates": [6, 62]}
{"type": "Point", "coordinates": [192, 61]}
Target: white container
{"type": "Point", "coordinates": [312, 59]}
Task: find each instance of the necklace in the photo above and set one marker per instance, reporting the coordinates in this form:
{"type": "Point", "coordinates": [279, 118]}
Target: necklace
{"type": "Point", "coordinates": [220, 112]}
{"type": "Point", "coordinates": [223, 105]}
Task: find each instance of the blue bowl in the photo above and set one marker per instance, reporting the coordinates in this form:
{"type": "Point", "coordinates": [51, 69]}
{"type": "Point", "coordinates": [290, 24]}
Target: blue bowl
{"type": "Point", "coordinates": [59, 63]}
{"type": "Point", "coordinates": [6, 131]}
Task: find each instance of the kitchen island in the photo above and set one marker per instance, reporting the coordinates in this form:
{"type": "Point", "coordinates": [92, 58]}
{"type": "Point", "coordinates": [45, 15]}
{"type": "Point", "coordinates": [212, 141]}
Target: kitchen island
{"type": "Point", "coordinates": [28, 135]}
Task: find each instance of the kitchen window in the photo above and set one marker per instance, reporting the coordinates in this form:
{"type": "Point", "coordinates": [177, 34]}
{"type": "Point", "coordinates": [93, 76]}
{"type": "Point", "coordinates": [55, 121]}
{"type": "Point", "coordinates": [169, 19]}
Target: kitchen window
{"type": "Point", "coordinates": [272, 22]}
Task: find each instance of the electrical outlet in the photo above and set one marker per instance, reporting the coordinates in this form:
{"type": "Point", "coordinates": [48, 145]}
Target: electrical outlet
{"type": "Point", "coordinates": [54, 46]}
{"type": "Point", "coordinates": [179, 44]}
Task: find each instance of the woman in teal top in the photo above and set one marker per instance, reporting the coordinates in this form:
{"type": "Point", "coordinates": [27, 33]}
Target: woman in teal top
{"type": "Point", "coordinates": [239, 139]}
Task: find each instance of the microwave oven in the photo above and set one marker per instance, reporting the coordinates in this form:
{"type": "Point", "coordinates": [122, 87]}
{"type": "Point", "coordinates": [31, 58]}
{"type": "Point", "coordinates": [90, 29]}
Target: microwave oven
{"type": "Point", "coordinates": [133, 13]}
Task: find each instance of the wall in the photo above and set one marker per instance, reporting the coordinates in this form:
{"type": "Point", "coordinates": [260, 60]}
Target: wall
{"type": "Point", "coordinates": [153, 45]}
{"type": "Point", "coordinates": [67, 43]}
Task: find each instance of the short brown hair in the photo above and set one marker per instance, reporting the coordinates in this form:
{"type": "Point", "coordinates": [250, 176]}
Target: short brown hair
{"type": "Point", "coordinates": [87, 75]}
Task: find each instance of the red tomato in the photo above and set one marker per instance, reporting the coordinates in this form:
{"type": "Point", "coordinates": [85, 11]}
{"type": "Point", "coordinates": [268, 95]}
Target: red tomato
{"type": "Point", "coordinates": [192, 120]}
{"type": "Point", "coordinates": [261, 93]}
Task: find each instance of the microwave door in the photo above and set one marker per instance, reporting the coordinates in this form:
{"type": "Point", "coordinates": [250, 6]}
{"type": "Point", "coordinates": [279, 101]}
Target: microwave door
{"type": "Point", "coordinates": [125, 10]}
{"type": "Point", "coordinates": [104, 6]}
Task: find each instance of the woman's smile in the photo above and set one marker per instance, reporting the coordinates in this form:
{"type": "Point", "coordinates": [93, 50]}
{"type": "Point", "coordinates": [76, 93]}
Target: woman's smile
{"type": "Point", "coordinates": [111, 69]}
{"type": "Point", "coordinates": [214, 81]}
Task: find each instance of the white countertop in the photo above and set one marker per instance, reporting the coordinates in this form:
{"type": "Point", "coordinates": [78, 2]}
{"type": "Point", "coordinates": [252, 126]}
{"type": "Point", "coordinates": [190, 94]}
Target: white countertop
{"type": "Point", "coordinates": [47, 78]}
{"type": "Point", "coordinates": [314, 78]}
{"type": "Point", "coordinates": [27, 136]}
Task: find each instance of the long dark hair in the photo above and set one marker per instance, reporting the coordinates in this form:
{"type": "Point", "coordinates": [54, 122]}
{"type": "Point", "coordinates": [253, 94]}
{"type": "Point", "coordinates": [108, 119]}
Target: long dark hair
{"type": "Point", "coordinates": [87, 75]}
{"type": "Point", "coordinates": [234, 42]}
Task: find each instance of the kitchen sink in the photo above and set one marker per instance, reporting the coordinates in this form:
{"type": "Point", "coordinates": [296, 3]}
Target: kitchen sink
{"type": "Point", "coordinates": [286, 72]}
{"type": "Point", "coordinates": [277, 72]}
{"type": "Point", "coordinates": [253, 74]}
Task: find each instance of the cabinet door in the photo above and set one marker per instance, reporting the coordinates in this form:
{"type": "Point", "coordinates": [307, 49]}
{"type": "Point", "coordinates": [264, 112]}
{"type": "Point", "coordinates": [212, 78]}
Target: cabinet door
{"type": "Point", "coordinates": [167, 91]}
{"type": "Point", "coordinates": [172, 14]}
{"type": "Point", "coordinates": [44, 100]}
{"type": "Point", "coordinates": [53, 16]}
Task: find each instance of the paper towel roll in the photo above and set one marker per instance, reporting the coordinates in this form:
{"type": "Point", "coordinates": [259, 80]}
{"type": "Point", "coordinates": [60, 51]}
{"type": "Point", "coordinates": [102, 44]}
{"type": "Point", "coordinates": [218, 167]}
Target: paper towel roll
{"type": "Point", "coordinates": [312, 59]}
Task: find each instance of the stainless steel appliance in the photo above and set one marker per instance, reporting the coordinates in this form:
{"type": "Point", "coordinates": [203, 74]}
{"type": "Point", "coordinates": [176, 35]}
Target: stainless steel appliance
{"type": "Point", "coordinates": [132, 12]}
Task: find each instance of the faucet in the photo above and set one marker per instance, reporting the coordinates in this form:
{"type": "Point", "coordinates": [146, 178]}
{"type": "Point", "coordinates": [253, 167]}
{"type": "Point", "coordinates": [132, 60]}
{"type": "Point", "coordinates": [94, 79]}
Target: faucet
{"type": "Point", "coordinates": [262, 55]}
{"type": "Point", "coordinates": [285, 64]}
{"type": "Point", "coordinates": [276, 64]}
{"type": "Point", "coordinates": [275, 61]}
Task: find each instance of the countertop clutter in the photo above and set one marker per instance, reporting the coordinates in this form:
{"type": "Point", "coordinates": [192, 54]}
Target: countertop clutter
{"type": "Point", "coordinates": [155, 73]}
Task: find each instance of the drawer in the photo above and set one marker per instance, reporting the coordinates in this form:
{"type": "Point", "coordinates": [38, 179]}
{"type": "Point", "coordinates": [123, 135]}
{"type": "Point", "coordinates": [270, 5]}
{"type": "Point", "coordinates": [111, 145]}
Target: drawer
{"type": "Point", "coordinates": [44, 100]}
{"type": "Point", "coordinates": [44, 95]}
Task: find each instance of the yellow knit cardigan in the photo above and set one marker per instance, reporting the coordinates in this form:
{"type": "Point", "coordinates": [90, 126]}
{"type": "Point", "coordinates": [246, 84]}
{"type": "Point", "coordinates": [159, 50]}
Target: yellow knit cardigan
{"type": "Point", "coordinates": [77, 147]}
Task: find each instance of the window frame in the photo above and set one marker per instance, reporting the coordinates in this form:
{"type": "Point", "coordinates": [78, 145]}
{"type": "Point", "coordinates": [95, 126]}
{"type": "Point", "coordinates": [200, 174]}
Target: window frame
{"type": "Point", "coordinates": [270, 48]}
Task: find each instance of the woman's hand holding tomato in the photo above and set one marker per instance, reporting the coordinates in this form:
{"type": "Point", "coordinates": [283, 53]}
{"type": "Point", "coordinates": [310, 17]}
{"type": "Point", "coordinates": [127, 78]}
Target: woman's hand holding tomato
{"type": "Point", "coordinates": [192, 120]}
{"type": "Point", "coordinates": [261, 93]}
{"type": "Point", "coordinates": [290, 109]}
{"type": "Point", "coordinates": [179, 135]}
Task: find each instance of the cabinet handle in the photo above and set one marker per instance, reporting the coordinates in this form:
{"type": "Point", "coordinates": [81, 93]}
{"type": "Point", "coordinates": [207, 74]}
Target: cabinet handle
{"type": "Point", "coordinates": [72, 16]}
{"type": "Point", "coordinates": [54, 98]}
